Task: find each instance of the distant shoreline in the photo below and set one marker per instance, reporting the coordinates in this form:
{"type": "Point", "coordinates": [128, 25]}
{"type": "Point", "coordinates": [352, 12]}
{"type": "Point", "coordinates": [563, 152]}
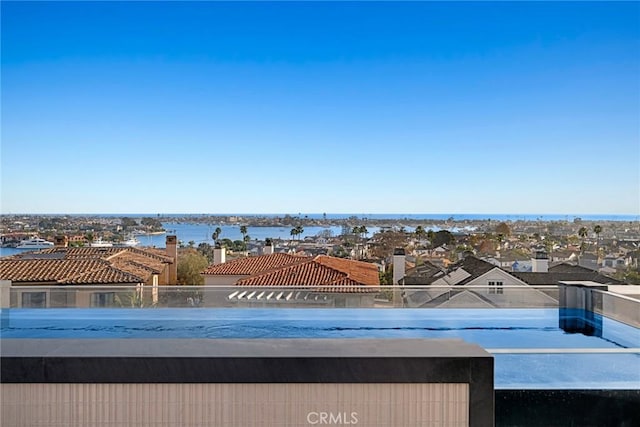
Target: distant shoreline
{"type": "Point", "coordinates": [346, 217]}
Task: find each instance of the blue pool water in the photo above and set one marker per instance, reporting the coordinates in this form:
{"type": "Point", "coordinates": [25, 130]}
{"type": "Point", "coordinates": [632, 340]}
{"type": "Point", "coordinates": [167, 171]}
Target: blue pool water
{"type": "Point", "coordinates": [530, 348]}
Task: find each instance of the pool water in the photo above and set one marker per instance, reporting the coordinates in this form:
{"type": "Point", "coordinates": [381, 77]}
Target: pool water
{"type": "Point", "coordinates": [531, 350]}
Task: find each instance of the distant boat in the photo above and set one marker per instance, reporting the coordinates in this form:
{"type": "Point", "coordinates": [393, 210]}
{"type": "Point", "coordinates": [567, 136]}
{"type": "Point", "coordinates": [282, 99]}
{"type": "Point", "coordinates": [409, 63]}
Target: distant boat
{"type": "Point", "coordinates": [131, 241]}
{"type": "Point", "coordinates": [34, 243]}
{"type": "Point", "coordinates": [100, 244]}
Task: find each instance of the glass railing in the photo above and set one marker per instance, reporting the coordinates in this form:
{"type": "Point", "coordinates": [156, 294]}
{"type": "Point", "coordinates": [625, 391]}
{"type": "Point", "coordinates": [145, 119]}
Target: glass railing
{"type": "Point", "coordinates": [99, 296]}
{"type": "Point", "coordinates": [618, 307]}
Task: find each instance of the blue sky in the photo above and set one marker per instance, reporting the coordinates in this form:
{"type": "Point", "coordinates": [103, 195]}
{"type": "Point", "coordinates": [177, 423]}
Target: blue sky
{"type": "Point", "coordinates": [418, 107]}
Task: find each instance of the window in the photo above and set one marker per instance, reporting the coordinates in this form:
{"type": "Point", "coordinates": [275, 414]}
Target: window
{"type": "Point", "coordinates": [34, 299]}
{"type": "Point", "coordinates": [102, 299]}
{"type": "Point", "coordinates": [495, 287]}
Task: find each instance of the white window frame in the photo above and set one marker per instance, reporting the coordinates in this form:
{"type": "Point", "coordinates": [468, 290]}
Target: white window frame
{"type": "Point", "coordinates": [495, 287]}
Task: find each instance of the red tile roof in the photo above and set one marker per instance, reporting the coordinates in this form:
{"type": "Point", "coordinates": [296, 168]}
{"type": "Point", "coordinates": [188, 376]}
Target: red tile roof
{"type": "Point", "coordinates": [83, 266]}
{"type": "Point", "coordinates": [361, 272]}
{"type": "Point", "coordinates": [253, 265]}
{"type": "Point", "coordinates": [324, 273]}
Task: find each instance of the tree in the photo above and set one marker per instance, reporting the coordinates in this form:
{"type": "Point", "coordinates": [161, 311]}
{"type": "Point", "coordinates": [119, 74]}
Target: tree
{"type": "Point", "coordinates": [340, 252]}
{"type": "Point", "coordinates": [360, 231]}
{"type": "Point", "coordinates": [238, 246]}
{"type": "Point", "coordinates": [419, 232]}
{"type": "Point", "coordinates": [299, 231]}
{"type": "Point", "coordinates": [128, 222]}
{"type": "Point", "coordinates": [243, 231]}
{"type": "Point", "coordinates": [226, 243]}
{"type": "Point", "coordinates": [504, 229]}
{"type": "Point", "coordinates": [190, 265]}
{"type": "Point", "coordinates": [216, 234]}
{"type": "Point", "coordinates": [206, 250]}
{"type": "Point", "coordinates": [326, 234]}
{"type": "Point", "coordinates": [431, 235]}
{"type": "Point", "coordinates": [582, 232]}
{"type": "Point", "coordinates": [363, 231]}
{"type": "Point", "coordinates": [246, 239]}
{"type": "Point", "coordinates": [151, 223]}
{"type": "Point", "coordinates": [597, 229]}
{"type": "Point", "coordinates": [386, 241]}
{"type": "Point", "coordinates": [442, 237]}
{"type": "Point", "coordinates": [549, 244]}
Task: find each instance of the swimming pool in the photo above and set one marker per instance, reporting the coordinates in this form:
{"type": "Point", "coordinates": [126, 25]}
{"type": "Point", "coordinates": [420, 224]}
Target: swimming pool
{"type": "Point", "coordinates": [531, 350]}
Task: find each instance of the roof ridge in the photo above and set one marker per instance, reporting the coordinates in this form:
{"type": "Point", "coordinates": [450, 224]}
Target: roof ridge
{"type": "Point", "coordinates": [141, 251]}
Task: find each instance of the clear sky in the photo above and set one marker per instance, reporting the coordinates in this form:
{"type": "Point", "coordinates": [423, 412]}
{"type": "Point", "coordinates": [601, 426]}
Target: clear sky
{"type": "Point", "coordinates": [418, 107]}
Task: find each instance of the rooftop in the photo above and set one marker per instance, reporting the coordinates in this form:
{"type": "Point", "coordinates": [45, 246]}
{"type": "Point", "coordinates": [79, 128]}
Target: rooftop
{"type": "Point", "coordinates": [330, 274]}
{"type": "Point", "coordinates": [64, 265]}
{"type": "Point", "coordinates": [253, 265]}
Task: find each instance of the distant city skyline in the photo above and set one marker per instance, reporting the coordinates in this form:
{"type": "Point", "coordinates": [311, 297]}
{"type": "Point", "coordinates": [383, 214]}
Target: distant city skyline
{"type": "Point", "coordinates": [310, 107]}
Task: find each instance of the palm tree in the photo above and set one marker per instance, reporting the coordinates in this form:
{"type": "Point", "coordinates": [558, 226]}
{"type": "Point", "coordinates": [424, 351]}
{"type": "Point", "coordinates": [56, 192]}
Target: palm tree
{"type": "Point", "coordinates": [597, 229]}
{"type": "Point", "coordinates": [356, 231]}
{"type": "Point", "coordinates": [299, 231]}
{"type": "Point", "coordinates": [294, 232]}
{"type": "Point", "coordinates": [246, 240]}
{"type": "Point", "coordinates": [420, 233]}
{"type": "Point", "coordinates": [363, 230]}
{"type": "Point", "coordinates": [243, 231]}
{"type": "Point", "coordinates": [216, 234]}
{"type": "Point", "coordinates": [583, 232]}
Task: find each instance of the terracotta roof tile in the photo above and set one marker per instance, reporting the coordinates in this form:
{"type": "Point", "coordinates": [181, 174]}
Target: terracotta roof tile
{"type": "Point", "coordinates": [46, 270]}
{"type": "Point", "coordinates": [83, 265]}
{"type": "Point", "coordinates": [105, 275]}
{"type": "Point", "coordinates": [253, 265]}
{"type": "Point", "coordinates": [361, 272]}
{"type": "Point", "coordinates": [325, 274]}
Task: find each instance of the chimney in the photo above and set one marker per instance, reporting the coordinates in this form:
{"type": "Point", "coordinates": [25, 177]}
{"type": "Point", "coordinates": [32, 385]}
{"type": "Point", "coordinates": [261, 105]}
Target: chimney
{"type": "Point", "coordinates": [398, 265]}
{"type": "Point", "coordinates": [540, 262]}
{"type": "Point", "coordinates": [219, 254]}
{"type": "Point", "coordinates": [61, 241]}
{"type": "Point", "coordinates": [172, 251]}
{"type": "Point", "coordinates": [268, 247]}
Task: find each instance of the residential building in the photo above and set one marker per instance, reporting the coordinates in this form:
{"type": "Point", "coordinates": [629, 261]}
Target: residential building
{"type": "Point", "coordinates": [338, 281]}
{"type": "Point", "coordinates": [81, 271]}
{"type": "Point", "coordinates": [478, 283]}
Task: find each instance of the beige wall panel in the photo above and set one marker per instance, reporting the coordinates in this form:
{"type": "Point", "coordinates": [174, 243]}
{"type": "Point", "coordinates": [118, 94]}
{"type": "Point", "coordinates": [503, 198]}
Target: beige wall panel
{"type": "Point", "coordinates": [235, 405]}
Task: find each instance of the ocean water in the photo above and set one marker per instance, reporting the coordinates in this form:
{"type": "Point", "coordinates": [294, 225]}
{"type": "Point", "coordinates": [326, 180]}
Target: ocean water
{"type": "Point", "coordinates": [398, 216]}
